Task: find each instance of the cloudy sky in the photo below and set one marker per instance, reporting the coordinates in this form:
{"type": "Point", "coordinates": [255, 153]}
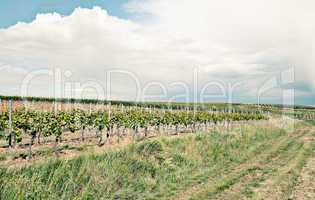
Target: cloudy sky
{"type": "Point", "coordinates": [180, 50]}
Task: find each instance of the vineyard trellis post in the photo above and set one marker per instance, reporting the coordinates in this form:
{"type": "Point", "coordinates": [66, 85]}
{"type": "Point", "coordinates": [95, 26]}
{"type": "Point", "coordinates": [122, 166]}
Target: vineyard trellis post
{"type": "Point", "coordinates": [56, 138]}
{"type": "Point", "coordinates": [11, 135]}
{"type": "Point", "coordinates": [109, 120]}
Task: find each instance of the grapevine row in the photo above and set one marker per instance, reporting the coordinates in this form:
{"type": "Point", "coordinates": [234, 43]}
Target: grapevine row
{"type": "Point", "coordinates": [43, 124]}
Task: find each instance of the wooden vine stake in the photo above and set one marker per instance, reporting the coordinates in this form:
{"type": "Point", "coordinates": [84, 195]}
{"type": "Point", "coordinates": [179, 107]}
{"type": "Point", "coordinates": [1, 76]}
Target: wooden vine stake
{"type": "Point", "coordinates": [11, 134]}
{"type": "Point", "coordinates": [109, 119]}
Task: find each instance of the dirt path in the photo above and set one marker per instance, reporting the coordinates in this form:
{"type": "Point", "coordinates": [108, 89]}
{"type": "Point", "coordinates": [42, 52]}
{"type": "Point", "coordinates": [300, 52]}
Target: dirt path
{"type": "Point", "coordinates": [284, 180]}
{"type": "Point", "coordinates": [305, 188]}
{"type": "Point", "coordinates": [305, 184]}
{"type": "Point", "coordinates": [270, 172]}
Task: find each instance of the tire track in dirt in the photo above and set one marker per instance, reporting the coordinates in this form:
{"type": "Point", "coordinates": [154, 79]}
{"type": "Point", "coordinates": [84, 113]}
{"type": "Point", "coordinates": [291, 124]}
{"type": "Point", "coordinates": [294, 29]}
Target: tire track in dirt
{"type": "Point", "coordinates": [285, 185]}
{"type": "Point", "coordinates": [235, 181]}
{"type": "Point", "coordinates": [305, 188]}
{"type": "Point", "coordinates": [280, 183]}
{"type": "Point", "coordinates": [282, 176]}
{"type": "Point", "coordinates": [241, 170]}
{"type": "Point", "coordinates": [264, 171]}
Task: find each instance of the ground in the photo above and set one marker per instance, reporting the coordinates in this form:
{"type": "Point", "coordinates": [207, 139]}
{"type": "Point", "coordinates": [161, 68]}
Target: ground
{"type": "Point", "coordinates": [249, 162]}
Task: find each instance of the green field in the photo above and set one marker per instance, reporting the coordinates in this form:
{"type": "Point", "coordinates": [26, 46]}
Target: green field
{"type": "Point", "coordinates": [255, 162]}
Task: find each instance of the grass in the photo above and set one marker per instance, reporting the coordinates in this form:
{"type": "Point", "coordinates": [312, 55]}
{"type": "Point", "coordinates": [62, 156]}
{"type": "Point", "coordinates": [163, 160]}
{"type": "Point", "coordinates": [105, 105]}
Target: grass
{"type": "Point", "coordinates": [162, 168]}
{"type": "Point", "coordinates": [44, 152]}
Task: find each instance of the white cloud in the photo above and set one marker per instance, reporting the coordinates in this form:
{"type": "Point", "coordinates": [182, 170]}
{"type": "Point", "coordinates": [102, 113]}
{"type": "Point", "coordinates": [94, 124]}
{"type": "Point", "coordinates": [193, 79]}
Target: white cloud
{"type": "Point", "coordinates": [245, 31]}
{"type": "Point", "coordinates": [229, 40]}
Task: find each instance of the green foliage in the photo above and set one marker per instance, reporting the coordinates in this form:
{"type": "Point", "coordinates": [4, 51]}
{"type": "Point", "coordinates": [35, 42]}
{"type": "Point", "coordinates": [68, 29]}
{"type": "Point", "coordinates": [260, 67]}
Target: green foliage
{"type": "Point", "coordinates": [45, 123]}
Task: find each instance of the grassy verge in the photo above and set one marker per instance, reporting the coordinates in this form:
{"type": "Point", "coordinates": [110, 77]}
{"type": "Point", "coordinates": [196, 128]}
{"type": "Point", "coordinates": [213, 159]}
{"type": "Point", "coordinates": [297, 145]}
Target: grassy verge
{"type": "Point", "coordinates": [154, 169]}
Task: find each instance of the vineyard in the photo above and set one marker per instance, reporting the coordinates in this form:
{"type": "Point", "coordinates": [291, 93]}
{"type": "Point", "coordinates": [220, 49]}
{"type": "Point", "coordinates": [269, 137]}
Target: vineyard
{"type": "Point", "coordinates": [91, 150]}
{"type": "Point", "coordinates": [255, 162]}
{"type": "Point", "coordinates": [107, 122]}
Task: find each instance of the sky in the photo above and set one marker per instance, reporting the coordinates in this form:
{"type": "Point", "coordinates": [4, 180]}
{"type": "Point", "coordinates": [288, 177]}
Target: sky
{"type": "Point", "coordinates": [248, 51]}
{"type": "Point", "coordinates": [25, 11]}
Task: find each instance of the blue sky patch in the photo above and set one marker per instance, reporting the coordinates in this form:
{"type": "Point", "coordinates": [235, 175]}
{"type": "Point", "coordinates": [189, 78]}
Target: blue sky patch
{"type": "Point", "coordinates": [13, 11]}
